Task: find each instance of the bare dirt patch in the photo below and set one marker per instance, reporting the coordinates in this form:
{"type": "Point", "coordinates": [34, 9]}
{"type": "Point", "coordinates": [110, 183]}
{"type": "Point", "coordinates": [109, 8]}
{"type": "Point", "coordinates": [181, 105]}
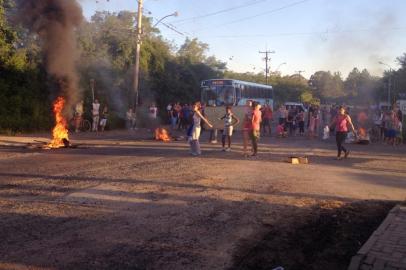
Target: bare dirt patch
{"type": "Point", "coordinates": [326, 239]}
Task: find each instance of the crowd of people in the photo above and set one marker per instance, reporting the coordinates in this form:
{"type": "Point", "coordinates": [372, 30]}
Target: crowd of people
{"type": "Point", "coordinates": [388, 126]}
{"type": "Point", "coordinates": [313, 121]}
{"type": "Point", "coordinates": [288, 120]}
{"type": "Point", "coordinates": [99, 118]}
{"type": "Point", "coordinates": [180, 116]}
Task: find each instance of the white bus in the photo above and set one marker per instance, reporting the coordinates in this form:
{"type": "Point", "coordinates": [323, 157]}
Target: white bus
{"type": "Point", "coordinates": [219, 93]}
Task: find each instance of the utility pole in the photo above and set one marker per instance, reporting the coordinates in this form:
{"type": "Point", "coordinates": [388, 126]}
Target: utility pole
{"type": "Point", "coordinates": [267, 59]}
{"type": "Point", "coordinates": [299, 72]}
{"type": "Point", "coordinates": [92, 88]}
{"type": "Point", "coordinates": [137, 53]}
{"type": "Point", "coordinates": [389, 89]}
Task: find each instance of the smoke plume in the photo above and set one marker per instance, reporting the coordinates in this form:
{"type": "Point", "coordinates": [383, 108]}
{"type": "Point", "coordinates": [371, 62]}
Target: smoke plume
{"type": "Point", "coordinates": [55, 22]}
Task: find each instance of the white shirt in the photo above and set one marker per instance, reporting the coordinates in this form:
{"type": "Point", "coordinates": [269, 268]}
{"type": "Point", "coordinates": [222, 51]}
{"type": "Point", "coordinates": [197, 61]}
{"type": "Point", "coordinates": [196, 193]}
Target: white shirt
{"type": "Point", "coordinates": [96, 109]}
{"type": "Point", "coordinates": [153, 112]}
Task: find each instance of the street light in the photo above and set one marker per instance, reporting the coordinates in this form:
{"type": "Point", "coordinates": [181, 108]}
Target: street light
{"type": "Point", "coordinates": [175, 14]}
{"type": "Point", "coordinates": [277, 69]}
{"type": "Point", "coordinates": [138, 49]}
{"type": "Point", "coordinates": [389, 81]}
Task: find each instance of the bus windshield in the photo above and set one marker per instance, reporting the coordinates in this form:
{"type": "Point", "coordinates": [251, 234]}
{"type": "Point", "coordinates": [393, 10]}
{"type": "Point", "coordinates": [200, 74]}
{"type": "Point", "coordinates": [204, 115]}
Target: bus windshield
{"type": "Point", "coordinates": [218, 95]}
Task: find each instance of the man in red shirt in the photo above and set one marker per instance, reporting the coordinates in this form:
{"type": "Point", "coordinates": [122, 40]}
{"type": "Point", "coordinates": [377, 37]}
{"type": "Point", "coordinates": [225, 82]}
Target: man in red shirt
{"type": "Point", "coordinates": [266, 118]}
{"type": "Point", "coordinates": [255, 127]}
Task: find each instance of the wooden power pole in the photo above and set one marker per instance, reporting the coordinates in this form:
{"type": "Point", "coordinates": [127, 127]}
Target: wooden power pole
{"type": "Point", "coordinates": [267, 59]}
{"type": "Point", "coordinates": [137, 53]}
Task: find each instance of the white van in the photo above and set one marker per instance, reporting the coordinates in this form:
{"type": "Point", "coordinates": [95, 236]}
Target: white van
{"type": "Point", "coordinates": [290, 105]}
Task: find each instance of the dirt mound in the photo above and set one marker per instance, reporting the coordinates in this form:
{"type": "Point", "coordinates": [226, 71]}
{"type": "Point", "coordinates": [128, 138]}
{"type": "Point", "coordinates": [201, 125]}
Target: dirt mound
{"type": "Point", "coordinates": [326, 239]}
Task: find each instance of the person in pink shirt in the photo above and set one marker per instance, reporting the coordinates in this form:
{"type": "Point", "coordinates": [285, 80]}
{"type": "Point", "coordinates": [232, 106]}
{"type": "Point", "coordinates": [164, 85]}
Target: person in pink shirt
{"type": "Point", "coordinates": [341, 122]}
{"type": "Point", "coordinates": [255, 127]}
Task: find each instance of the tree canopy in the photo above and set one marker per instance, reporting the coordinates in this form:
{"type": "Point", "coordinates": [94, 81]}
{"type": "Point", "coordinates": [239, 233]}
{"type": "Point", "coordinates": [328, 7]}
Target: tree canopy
{"type": "Point", "coordinates": [167, 74]}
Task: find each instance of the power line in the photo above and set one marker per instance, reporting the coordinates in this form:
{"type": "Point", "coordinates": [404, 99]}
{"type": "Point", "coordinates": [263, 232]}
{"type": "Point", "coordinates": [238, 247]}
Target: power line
{"type": "Point", "coordinates": [257, 15]}
{"type": "Point", "coordinates": [218, 12]}
{"type": "Point", "coordinates": [172, 28]}
{"type": "Point", "coordinates": [310, 33]}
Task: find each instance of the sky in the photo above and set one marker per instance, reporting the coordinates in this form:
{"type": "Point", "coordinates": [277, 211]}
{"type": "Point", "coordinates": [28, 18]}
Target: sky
{"type": "Point", "coordinates": [302, 35]}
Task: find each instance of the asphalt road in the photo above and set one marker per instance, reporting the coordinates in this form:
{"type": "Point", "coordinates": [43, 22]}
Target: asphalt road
{"type": "Point", "coordinates": [120, 200]}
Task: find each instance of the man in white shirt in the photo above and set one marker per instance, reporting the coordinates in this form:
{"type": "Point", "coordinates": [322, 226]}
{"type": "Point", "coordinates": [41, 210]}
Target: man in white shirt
{"type": "Point", "coordinates": [95, 114]}
{"type": "Point", "coordinates": [153, 111]}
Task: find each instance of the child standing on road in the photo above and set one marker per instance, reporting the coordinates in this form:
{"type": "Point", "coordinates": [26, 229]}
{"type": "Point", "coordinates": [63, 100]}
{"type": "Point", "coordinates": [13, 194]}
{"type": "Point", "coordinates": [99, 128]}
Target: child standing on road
{"type": "Point", "coordinates": [228, 127]}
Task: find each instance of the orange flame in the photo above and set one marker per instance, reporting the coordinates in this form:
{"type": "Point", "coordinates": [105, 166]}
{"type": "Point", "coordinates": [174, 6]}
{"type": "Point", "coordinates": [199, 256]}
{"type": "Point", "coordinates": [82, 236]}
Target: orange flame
{"type": "Point", "coordinates": [60, 131]}
{"type": "Point", "coordinates": [362, 133]}
{"type": "Point", "coordinates": [162, 134]}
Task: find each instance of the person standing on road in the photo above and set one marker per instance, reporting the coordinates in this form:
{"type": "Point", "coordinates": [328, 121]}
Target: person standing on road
{"type": "Point", "coordinates": [228, 127]}
{"type": "Point", "coordinates": [153, 111]}
{"type": "Point", "coordinates": [130, 119]}
{"type": "Point", "coordinates": [300, 120]}
{"type": "Point", "coordinates": [104, 116]}
{"type": "Point", "coordinates": [95, 114]}
{"type": "Point", "coordinates": [169, 112]}
{"type": "Point", "coordinates": [247, 125]}
{"type": "Point", "coordinates": [266, 119]}
{"type": "Point", "coordinates": [197, 117]}
{"type": "Point", "coordinates": [341, 122]}
{"type": "Point", "coordinates": [174, 117]}
{"type": "Point", "coordinates": [78, 115]}
{"type": "Point", "coordinates": [255, 127]}
{"type": "Point", "coordinates": [282, 114]}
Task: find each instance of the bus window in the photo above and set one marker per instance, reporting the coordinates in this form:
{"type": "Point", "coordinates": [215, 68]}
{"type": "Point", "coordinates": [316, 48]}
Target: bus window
{"type": "Point", "coordinates": [209, 95]}
{"type": "Point", "coordinates": [226, 96]}
{"type": "Point", "coordinates": [218, 95]}
{"type": "Point", "coordinates": [248, 92]}
{"type": "Point", "coordinates": [238, 94]}
{"type": "Point", "coordinates": [263, 93]}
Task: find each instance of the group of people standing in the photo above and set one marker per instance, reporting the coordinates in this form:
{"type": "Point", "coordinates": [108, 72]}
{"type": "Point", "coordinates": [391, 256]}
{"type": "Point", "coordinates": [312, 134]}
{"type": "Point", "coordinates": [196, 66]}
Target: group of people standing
{"type": "Point", "coordinates": [131, 117]}
{"type": "Point", "coordinates": [389, 126]}
{"type": "Point", "coordinates": [99, 119]}
{"type": "Point", "coordinates": [251, 127]}
{"type": "Point", "coordinates": [180, 116]}
{"type": "Point", "coordinates": [341, 122]}
{"type": "Point", "coordinates": [292, 121]}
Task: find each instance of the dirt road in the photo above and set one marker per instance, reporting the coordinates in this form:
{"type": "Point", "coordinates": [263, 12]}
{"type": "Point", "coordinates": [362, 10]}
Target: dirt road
{"type": "Point", "coordinates": [123, 201]}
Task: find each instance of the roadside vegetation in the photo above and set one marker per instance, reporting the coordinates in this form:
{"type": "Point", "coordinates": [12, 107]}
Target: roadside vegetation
{"type": "Point", "coordinates": [168, 73]}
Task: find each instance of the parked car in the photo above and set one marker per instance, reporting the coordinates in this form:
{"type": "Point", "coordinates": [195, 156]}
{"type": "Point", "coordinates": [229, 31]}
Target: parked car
{"type": "Point", "coordinates": [300, 106]}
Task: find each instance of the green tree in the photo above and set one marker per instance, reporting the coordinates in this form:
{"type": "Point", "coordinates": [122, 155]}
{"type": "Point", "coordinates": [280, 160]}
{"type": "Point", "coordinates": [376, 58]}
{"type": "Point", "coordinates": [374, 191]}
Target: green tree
{"type": "Point", "coordinates": [327, 86]}
{"type": "Point", "coordinates": [193, 51]}
{"type": "Point", "coordinates": [23, 97]}
{"type": "Point", "coordinates": [108, 52]}
{"type": "Point", "coordinates": [360, 87]}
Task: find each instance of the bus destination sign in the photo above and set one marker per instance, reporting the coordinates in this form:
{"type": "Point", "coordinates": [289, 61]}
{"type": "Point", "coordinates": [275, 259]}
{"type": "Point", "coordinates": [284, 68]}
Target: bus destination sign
{"type": "Point", "coordinates": [217, 82]}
